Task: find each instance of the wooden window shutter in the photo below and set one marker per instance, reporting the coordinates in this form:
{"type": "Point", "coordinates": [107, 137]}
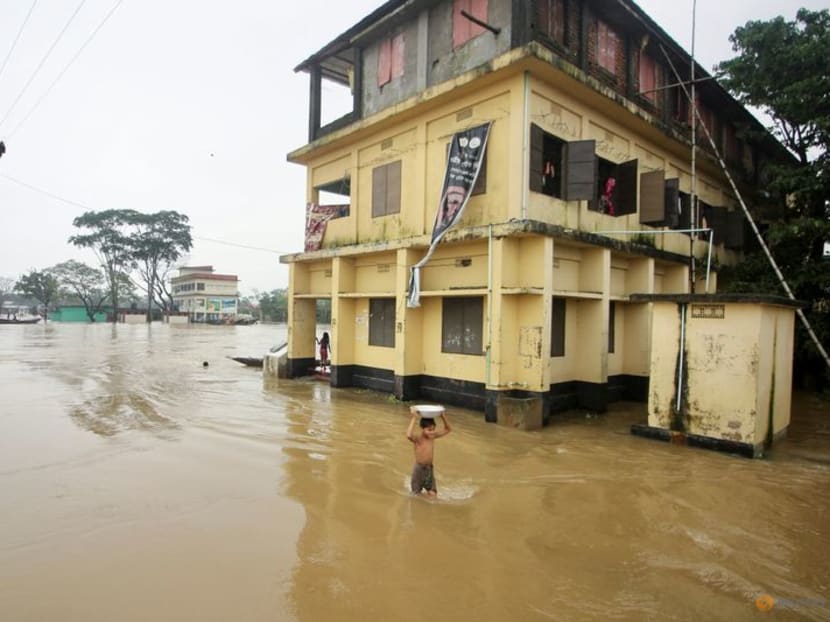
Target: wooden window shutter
{"type": "Point", "coordinates": [385, 62]}
{"type": "Point", "coordinates": [719, 224]}
{"type": "Point", "coordinates": [580, 170]}
{"type": "Point", "coordinates": [397, 54]}
{"type": "Point", "coordinates": [393, 187]}
{"type": "Point", "coordinates": [627, 188]}
{"type": "Point", "coordinates": [557, 338]}
{"type": "Point", "coordinates": [735, 229]}
{"type": "Point", "coordinates": [478, 9]}
{"type": "Point", "coordinates": [462, 28]}
{"type": "Point", "coordinates": [685, 221]}
{"type": "Point", "coordinates": [612, 326]}
{"type": "Point", "coordinates": [378, 191]}
{"type": "Point", "coordinates": [652, 198]}
{"type": "Point", "coordinates": [537, 143]}
{"type": "Point", "coordinates": [375, 332]}
{"type": "Point", "coordinates": [648, 77]}
{"type": "Point", "coordinates": [473, 325]}
{"type": "Point", "coordinates": [606, 47]}
{"type": "Point", "coordinates": [672, 201]}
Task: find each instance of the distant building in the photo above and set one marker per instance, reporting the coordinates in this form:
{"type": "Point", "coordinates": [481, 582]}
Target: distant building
{"type": "Point", "coordinates": [76, 313]}
{"type": "Point", "coordinates": [205, 295]}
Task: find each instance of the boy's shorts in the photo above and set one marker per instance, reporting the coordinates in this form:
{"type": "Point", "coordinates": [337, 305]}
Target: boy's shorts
{"type": "Point", "coordinates": [422, 478]}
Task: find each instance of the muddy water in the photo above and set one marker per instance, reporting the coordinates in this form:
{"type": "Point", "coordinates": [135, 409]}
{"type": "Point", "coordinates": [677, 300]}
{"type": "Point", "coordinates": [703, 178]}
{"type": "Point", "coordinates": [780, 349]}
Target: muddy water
{"type": "Point", "coordinates": [135, 484]}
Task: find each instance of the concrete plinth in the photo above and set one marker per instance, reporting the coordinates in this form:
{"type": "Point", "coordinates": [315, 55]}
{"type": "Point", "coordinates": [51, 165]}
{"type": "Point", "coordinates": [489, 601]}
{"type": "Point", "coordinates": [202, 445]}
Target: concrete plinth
{"type": "Point", "coordinates": [275, 365]}
{"type": "Point", "coordinates": [523, 413]}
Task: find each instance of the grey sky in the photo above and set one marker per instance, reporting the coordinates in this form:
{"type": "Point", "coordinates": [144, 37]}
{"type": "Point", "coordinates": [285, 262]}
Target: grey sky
{"type": "Point", "coordinates": [192, 105]}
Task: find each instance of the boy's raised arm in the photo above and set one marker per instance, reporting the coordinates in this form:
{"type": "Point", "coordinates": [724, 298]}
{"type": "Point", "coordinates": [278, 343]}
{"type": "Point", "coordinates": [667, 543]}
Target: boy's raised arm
{"type": "Point", "coordinates": [410, 431]}
{"type": "Point", "coordinates": [447, 429]}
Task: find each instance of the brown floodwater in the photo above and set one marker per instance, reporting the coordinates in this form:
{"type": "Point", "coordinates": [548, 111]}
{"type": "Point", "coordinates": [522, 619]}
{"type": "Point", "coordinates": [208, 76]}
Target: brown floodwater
{"type": "Point", "coordinates": [136, 484]}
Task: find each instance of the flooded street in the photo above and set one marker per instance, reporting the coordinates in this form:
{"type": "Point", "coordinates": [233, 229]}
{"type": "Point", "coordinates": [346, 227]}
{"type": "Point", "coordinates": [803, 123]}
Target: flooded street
{"type": "Point", "coordinates": [137, 484]}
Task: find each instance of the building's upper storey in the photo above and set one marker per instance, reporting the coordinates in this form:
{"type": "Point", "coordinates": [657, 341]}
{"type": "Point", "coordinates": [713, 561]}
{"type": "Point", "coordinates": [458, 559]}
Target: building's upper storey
{"type": "Point", "coordinates": [406, 47]}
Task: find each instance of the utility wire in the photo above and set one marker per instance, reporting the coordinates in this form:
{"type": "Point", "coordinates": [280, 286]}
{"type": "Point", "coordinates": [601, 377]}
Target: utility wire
{"type": "Point", "coordinates": [86, 207]}
{"type": "Point", "coordinates": [42, 61]}
{"type": "Point", "coordinates": [44, 192]}
{"type": "Point", "coordinates": [253, 248]}
{"type": "Point", "coordinates": [66, 67]}
{"type": "Point", "coordinates": [19, 32]}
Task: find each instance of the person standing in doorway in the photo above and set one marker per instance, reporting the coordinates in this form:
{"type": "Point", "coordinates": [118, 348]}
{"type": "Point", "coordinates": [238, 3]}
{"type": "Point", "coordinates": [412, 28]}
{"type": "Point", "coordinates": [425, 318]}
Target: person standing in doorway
{"type": "Point", "coordinates": [325, 348]}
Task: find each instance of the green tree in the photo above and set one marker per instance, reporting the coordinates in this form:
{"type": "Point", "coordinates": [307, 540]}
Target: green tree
{"type": "Point", "coordinates": [274, 305]}
{"type": "Point", "coordinates": [6, 287]}
{"type": "Point", "coordinates": [324, 311]}
{"type": "Point", "coordinates": [42, 286]}
{"type": "Point", "coordinates": [87, 283]}
{"type": "Point", "coordinates": [783, 68]}
{"type": "Point", "coordinates": [159, 240]}
{"type": "Point", "coordinates": [108, 235]}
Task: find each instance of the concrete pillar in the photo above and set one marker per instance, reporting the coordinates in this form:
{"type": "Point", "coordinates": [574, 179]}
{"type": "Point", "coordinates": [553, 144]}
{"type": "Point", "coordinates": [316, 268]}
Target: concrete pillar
{"type": "Point", "coordinates": [409, 333]}
{"type": "Point", "coordinates": [342, 321]}
{"type": "Point", "coordinates": [302, 322]}
{"type": "Point", "coordinates": [592, 329]}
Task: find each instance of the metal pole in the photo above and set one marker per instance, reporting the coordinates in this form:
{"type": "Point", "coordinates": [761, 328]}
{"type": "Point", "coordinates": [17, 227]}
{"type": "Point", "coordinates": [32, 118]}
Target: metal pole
{"type": "Point", "coordinates": [693, 194]}
{"type": "Point", "coordinates": [757, 233]}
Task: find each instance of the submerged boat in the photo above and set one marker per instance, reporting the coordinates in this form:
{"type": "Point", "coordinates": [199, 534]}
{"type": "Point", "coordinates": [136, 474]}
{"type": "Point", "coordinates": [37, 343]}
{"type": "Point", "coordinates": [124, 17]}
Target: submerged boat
{"type": "Point", "coordinates": [20, 320]}
{"type": "Point", "coordinates": [250, 361]}
{"type": "Point", "coordinates": [17, 315]}
{"type": "Point", "coordinates": [256, 361]}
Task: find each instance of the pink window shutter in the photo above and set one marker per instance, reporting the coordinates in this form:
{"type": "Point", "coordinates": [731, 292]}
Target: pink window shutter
{"type": "Point", "coordinates": [478, 9]}
{"type": "Point", "coordinates": [397, 53]}
{"type": "Point", "coordinates": [460, 24]}
{"type": "Point", "coordinates": [385, 62]}
{"type": "Point", "coordinates": [462, 28]}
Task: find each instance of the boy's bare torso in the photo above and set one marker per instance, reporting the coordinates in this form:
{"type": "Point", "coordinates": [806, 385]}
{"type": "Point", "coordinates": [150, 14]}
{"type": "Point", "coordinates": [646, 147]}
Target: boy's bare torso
{"type": "Point", "coordinates": [424, 445]}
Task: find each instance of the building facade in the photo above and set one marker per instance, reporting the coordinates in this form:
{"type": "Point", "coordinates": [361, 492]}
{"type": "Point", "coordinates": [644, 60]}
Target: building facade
{"type": "Point", "coordinates": [205, 295]}
{"type": "Point", "coordinates": [585, 198]}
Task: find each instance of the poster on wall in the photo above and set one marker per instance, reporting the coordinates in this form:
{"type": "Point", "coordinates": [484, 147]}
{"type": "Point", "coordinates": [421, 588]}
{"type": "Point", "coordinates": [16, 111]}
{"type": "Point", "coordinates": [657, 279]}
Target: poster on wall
{"type": "Point", "coordinates": [213, 305]}
{"type": "Point", "coordinates": [228, 305]}
{"type": "Point", "coordinates": [463, 166]}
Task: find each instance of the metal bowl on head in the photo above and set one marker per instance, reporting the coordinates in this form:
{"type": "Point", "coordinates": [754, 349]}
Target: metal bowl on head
{"type": "Point", "coordinates": [429, 411]}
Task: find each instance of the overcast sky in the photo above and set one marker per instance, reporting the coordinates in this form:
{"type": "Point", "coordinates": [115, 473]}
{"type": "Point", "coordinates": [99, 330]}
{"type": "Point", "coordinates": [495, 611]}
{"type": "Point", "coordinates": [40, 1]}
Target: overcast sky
{"type": "Point", "coordinates": [192, 105]}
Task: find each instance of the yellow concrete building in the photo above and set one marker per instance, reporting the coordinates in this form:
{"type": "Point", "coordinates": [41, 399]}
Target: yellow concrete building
{"type": "Point", "coordinates": [528, 297]}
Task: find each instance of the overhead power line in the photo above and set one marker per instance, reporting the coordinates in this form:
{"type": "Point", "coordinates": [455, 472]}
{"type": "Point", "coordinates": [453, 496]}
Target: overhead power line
{"type": "Point", "coordinates": [253, 248]}
{"type": "Point", "coordinates": [46, 193]}
{"type": "Point", "coordinates": [66, 67]}
{"type": "Point", "coordinates": [42, 61]}
{"type": "Point", "coordinates": [19, 32]}
{"type": "Point", "coordinates": [88, 208]}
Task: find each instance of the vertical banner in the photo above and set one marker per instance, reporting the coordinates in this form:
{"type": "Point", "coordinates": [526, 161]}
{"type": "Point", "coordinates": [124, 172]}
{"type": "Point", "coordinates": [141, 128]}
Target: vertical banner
{"type": "Point", "coordinates": [463, 166]}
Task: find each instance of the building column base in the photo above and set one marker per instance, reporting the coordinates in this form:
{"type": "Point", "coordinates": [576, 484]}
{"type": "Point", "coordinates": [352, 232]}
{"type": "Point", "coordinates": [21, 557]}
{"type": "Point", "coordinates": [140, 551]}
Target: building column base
{"type": "Point", "coordinates": [297, 368]}
{"type": "Point", "coordinates": [523, 410]}
{"type": "Point", "coordinates": [746, 450]}
{"type": "Point", "coordinates": [407, 387]}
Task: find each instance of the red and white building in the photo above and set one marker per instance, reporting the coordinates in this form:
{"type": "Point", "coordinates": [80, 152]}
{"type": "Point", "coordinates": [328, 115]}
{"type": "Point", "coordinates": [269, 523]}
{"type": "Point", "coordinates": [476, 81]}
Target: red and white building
{"type": "Point", "coordinates": [205, 295]}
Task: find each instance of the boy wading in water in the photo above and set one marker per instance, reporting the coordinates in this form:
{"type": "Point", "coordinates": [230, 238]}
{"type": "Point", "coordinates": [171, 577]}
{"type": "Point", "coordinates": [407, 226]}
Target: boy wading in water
{"type": "Point", "coordinates": [423, 478]}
